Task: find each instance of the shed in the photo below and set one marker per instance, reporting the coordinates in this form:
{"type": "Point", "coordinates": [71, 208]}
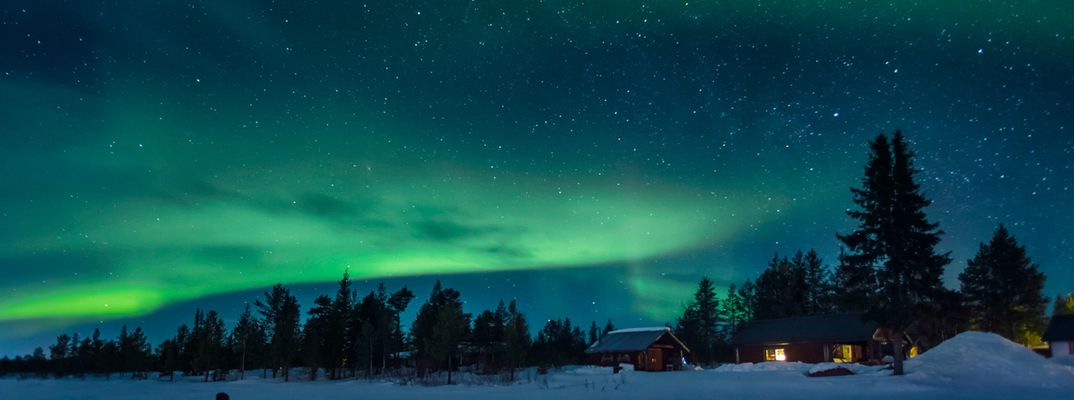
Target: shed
{"type": "Point", "coordinates": [647, 349]}
{"type": "Point", "coordinates": [1060, 335]}
{"type": "Point", "coordinates": [815, 338]}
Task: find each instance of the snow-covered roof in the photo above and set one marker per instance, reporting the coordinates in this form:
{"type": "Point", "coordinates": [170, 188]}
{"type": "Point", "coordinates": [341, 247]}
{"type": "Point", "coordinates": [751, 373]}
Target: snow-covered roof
{"type": "Point", "coordinates": [1060, 327]}
{"type": "Point", "coordinates": [813, 328]}
{"type": "Point", "coordinates": [633, 339]}
{"type": "Point", "coordinates": [648, 329]}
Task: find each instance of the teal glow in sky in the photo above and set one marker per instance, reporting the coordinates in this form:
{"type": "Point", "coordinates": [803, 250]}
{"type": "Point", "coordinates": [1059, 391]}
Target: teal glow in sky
{"type": "Point", "coordinates": [158, 156]}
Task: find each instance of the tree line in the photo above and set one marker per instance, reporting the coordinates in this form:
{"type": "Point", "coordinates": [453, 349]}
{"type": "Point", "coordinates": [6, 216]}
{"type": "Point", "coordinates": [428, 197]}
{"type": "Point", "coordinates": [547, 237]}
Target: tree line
{"type": "Point", "coordinates": [344, 335]}
{"type": "Point", "coordinates": [889, 270]}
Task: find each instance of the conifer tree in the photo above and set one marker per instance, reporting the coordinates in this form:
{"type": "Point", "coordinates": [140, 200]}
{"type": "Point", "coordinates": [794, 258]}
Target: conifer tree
{"type": "Point", "coordinates": [699, 323]}
{"type": "Point", "coordinates": [517, 339]}
{"type": "Point", "coordinates": [450, 328]}
{"type": "Point", "coordinates": [1064, 304]}
{"type": "Point", "coordinates": [421, 331]}
{"type": "Point", "coordinates": [895, 237]}
{"type": "Point", "coordinates": [397, 303]}
{"type": "Point", "coordinates": [748, 295]}
{"type": "Point", "coordinates": [247, 341]}
{"type": "Point", "coordinates": [853, 284]}
{"type": "Point", "coordinates": [1002, 289]}
{"type": "Point", "coordinates": [818, 284]}
{"type": "Point", "coordinates": [594, 334]}
{"type": "Point", "coordinates": [781, 289]}
{"type": "Point", "coordinates": [280, 314]}
{"type": "Point", "coordinates": [314, 352]}
{"type": "Point", "coordinates": [732, 311]}
{"type": "Point", "coordinates": [608, 328]}
{"type": "Point", "coordinates": [210, 350]}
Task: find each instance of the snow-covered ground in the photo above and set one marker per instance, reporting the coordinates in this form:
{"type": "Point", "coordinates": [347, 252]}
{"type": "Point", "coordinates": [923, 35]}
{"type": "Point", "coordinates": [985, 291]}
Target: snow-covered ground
{"type": "Point", "coordinates": [970, 366]}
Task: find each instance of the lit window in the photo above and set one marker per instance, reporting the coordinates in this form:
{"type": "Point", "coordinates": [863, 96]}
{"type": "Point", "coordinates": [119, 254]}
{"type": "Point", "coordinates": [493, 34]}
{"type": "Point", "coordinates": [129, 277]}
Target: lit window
{"type": "Point", "coordinates": [843, 353]}
{"type": "Point", "coordinates": [775, 354]}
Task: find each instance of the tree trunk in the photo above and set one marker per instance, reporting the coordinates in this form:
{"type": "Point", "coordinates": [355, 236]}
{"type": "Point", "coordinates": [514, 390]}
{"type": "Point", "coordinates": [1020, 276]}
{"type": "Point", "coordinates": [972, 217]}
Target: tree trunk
{"type": "Point", "coordinates": [449, 370]}
{"type": "Point", "coordinates": [897, 349]}
{"type": "Point", "coordinates": [242, 363]}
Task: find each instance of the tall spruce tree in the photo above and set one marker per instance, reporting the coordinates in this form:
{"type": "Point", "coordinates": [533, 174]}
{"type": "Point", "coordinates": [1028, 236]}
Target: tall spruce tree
{"type": "Point", "coordinates": [247, 341]}
{"type": "Point", "coordinates": [397, 303]}
{"type": "Point", "coordinates": [280, 316]}
{"type": "Point", "coordinates": [853, 284]}
{"type": "Point", "coordinates": [781, 289]}
{"type": "Point", "coordinates": [895, 237]}
{"type": "Point", "coordinates": [817, 284]}
{"type": "Point", "coordinates": [1002, 289]}
{"type": "Point", "coordinates": [698, 327]}
{"type": "Point", "coordinates": [516, 339]}
{"type": "Point", "coordinates": [421, 331]}
{"type": "Point", "coordinates": [732, 311]}
{"type": "Point", "coordinates": [450, 329]}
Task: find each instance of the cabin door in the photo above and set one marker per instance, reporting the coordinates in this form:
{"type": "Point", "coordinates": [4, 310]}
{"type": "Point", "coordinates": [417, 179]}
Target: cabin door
{"type": "Point", "coordinates": [656, 359]}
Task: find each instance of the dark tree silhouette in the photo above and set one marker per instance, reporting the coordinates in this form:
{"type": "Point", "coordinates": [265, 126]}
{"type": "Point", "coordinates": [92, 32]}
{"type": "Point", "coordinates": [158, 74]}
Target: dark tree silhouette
{"type": "Point", "coordinates": [1002, 289]}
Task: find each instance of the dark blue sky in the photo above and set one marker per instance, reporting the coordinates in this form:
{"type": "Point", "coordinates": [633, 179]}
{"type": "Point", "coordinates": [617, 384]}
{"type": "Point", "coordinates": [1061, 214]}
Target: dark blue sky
{"type": "Point", "coordinates": [591, 159]}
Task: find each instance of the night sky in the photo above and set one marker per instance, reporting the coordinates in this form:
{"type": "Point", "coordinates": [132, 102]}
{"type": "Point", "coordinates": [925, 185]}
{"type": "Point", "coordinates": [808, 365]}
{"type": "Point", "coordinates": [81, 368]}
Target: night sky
{"type": "Point", "coordinates": [591, 159]}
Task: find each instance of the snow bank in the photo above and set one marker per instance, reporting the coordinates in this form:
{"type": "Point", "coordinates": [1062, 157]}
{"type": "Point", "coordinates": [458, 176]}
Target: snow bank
{"type": "Point", "coordinates": [793, 366]}
{"type": "Point", "coordinates": [1064, 360]}
{"type": "Point", "coordinates": [857, 369]}
{"type": "Point", "coordinates": [986, 359]}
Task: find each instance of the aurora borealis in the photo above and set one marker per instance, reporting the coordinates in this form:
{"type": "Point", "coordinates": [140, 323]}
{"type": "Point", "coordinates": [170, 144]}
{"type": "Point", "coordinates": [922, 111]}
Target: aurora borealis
{"type": "Point", "coordinates": [590, 158]}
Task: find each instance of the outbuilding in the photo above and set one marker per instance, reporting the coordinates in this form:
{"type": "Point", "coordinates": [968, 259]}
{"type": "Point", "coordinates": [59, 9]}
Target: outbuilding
{"type": "Point", "coordinates": [1060, 335]}
{"type": "Point", "coordinates": [647, 349]}
{"type": "Point", "coordinates": [811, 339]}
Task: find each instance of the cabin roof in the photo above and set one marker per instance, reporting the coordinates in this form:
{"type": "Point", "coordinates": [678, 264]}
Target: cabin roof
{"type": "Point", "coordinates": [814, 328]}
{"type": "Point", "coordinates": [634, 339]}
{"type": "Point", "coordinates": [1060, 327]}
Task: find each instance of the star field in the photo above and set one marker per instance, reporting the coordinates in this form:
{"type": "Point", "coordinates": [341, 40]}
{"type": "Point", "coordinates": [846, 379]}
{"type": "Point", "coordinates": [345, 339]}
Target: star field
{"type": "Point", "coordinates": [589, 158]}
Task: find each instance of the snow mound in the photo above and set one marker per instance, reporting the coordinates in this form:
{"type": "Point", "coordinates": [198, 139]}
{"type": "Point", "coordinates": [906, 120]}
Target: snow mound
{"type": "Point", "coordinates": [1064, 360]}
{"type": "Point", "coordinates": [987, 359]}
{"type": "Point", "coordinates": [793, 366]}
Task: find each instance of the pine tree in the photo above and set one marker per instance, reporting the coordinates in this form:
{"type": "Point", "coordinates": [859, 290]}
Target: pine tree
{"type": "Point", "coordinates": [853, 284]}
{"type": "Point", "coordinates": [732, 311]}
{"type": "Point", "coordinates": [488, 334]}
{"type": "Point", "coordinates": [247, 340]}
{"type": "Point", "coordinates": [748, 295]}
{"type": "Point", "coordinates": [781, 290]}
{"type": "Point", "coordinates": [449, 330]}
{"type": "Point", "coordinates": [1002, 289]}
{"type": "Point", "coordinates": [374, 325]}
{"type": "Point", "coordinates": [397, 303]}
{"type": "Point", "coordinates": [280, 314]}
{"type": "Point", "coordinates": [818, 284]}
{"type": "Point", "coordinates": [210, 350]}
{"type": "Point", "coordinates": [337, 326]}
{"type": "Point", "coordinates": [421, 331]}
{"type": "Point", "coordinates": [699, 323]}
{"type": "Point", "coordinates": [895, 237]}
{"type": "Point", "coordinates": [1064, 304]}
{"type": "Point", "coordinates": [594, 334]}
{"type": "Point", "coordinates": [314, 351]}
{"type": "Point", "coordinates": [559, 343]}
{"type": "Point", "coordinates": [517, 339]}
{"type": "Point", "coordinates": [608, 328]}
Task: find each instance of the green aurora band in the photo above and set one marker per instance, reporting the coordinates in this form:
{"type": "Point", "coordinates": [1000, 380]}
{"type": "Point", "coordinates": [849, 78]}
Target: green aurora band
{"type": "Point", "coordinates": [185, 150]}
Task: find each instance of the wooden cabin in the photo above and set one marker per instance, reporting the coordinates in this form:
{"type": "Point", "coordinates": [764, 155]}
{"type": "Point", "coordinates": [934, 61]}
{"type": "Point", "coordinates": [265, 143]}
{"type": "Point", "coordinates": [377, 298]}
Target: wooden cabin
{"type": "Point", "coordinates": [647, 349]}
{"type": "Point", "coordinates": [1060, 335]}
{"type": "Point", "coordinates": [811, 339]}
